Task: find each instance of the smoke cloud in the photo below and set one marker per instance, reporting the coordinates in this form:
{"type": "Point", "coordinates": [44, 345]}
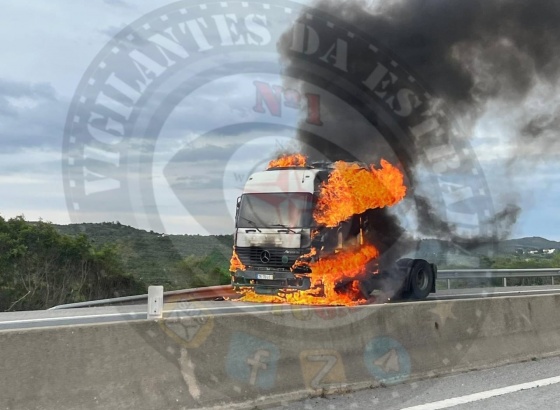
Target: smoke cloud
{"type": "Point", "coordinates": [468, 53]}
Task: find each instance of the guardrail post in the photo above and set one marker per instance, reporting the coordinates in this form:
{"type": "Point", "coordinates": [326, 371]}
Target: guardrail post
{"type": "Point", "coordinates": [155, 302]}
{"type": "Point", "coordinates": [448, 283]}
{"type": "Point", "coordinates": [505, 282]}
{"type": "Point", "coordinates": [552, 278]}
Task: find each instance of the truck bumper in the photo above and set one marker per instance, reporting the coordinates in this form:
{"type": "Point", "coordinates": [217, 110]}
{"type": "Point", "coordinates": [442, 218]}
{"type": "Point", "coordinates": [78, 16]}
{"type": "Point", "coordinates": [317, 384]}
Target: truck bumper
{"type": "Point", "coordinates": [270, 282]}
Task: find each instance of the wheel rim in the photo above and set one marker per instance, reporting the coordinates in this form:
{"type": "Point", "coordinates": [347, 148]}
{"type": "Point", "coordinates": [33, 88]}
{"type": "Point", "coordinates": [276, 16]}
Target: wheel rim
{"type": "Point", "coordinates": [422, 280]}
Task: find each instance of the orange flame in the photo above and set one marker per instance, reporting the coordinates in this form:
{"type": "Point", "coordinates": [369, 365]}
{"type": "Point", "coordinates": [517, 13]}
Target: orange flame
{"type": "Point", "coordinates": [347, 265]}
{"type": "Point", "coordinates": [235, 263]}
{"type": "Point", "coordinates": [292, 160]}
{"type": "Point", "coordinates": [305, 259]}
{"type": "Point", "coordinates": [352, 189]}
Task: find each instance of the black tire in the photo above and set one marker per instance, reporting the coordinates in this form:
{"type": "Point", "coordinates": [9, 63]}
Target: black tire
{"type": "Point", "coordinates": [421, 279]}
{"type": "Point", "coordinates": [398, 285]}
{"type": "Point", "coordinates": [404, 263]}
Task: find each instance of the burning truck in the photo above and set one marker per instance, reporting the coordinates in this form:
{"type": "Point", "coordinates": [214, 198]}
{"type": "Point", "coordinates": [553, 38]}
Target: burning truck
{"type": "Point", "coordinates": [302, 235]}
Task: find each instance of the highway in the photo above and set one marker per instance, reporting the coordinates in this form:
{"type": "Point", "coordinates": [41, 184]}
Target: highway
{"type": "Point", "coordinates": [183, 309]}
{"type": "Point", "coordinates": [515, 386]}
{"type": "Point", "coordinates": [243, 355]}
{"type": "Point", "coordinates": [124, 313]}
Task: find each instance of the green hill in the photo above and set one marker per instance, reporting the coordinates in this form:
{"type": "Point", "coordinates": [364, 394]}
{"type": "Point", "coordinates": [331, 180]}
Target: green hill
{"type": "Point", "coordinates": [156, 258]}
{"type": "Point", "coordinates": [41, 268]}
{"type": "Point", "coordinates": [530, 243]}
{"type": "Point", "coordinates": [182, 261]}
{"type": "Point", "coordinates": [529, 252]}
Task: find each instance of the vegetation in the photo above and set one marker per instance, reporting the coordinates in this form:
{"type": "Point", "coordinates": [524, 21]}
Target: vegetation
{"type": "Point", "coordinates": [160, 259]}
{"type": "Point", "coordinates": [42, 265]}
{"type": "Point", "coordinates": [518, 260]}
{"type": "Point", "coordinates": [525, 262]}
{"type": "Point", "coordinates": [209, 270]}
{"type": "Point", "coordinates": [40, 268]}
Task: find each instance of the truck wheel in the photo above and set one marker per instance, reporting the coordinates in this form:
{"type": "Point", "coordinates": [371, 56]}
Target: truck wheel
{"type": "Point", "coordinates": [404, 262]}
{"type": "Point", "coordinates": [421, 279]}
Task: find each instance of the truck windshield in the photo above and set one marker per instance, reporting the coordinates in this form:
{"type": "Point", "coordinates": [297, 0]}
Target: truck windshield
{"type": "Point", "coordinates": [292, 210]}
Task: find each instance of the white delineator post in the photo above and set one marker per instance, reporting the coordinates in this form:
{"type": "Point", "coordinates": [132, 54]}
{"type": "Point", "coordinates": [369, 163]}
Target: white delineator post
{"type": "Point", "coordinates": [155, 302]}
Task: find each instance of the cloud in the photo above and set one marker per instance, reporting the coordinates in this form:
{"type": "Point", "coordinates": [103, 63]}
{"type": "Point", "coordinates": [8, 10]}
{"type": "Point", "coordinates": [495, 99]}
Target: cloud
{"type": "Point", "coordinates": [208, 152]}
{"type": "Point", "coordinates": [16, 96]}
{"type": "Point", "coordinates": [27, 176]}
{"type": "Point", "coordinates": [208, 124]}
{"type": "Point", "coordinates": [111, 31]}
{"type": "Point", "coordinates": [40, 126]}
{"type": "Point", "coordinates": [119, 3]}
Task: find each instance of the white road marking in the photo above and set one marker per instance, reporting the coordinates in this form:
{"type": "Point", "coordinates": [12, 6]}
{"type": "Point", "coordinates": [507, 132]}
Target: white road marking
{"type": "Point", "coordinates": [444, 404]}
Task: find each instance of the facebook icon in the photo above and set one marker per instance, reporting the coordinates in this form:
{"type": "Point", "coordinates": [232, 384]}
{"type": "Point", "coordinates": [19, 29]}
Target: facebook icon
{"type": "Point", "coordinates": [252, 360]}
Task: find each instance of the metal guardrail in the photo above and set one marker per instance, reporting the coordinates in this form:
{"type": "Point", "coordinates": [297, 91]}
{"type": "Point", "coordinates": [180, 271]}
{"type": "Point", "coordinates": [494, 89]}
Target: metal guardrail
{"type": "Point", "coordinates": [215, 292]}
{"type": "Point", "coordinates": [186, 295]}
{"type": "Point", "coordinates": [504, 274]}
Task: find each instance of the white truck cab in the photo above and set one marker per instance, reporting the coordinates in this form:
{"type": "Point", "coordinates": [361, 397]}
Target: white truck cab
{"type": "Point", "coordinates": [275, 231]}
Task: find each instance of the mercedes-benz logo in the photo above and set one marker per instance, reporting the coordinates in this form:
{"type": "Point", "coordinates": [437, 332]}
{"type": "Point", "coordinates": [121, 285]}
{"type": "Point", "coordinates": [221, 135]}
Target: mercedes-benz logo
{"type": "Point", "coordinates": [265, 256]}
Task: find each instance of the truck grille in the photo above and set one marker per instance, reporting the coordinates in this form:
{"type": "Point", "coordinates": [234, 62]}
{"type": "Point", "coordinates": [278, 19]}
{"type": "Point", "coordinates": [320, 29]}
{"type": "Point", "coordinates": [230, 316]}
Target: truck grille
{"type": "Point", "coordinates": [268, 257]}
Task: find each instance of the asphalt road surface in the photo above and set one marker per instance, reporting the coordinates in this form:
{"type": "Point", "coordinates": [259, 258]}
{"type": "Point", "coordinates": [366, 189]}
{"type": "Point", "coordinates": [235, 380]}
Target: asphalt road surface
{"type": "Point", "coordinates": [528, 385]}
{"type": "Point", "coordinates": [122, 313]}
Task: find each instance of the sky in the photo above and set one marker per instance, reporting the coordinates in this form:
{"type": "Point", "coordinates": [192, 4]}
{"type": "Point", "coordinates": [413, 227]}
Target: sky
{"type": "Point", "coordinates": [195, 138]}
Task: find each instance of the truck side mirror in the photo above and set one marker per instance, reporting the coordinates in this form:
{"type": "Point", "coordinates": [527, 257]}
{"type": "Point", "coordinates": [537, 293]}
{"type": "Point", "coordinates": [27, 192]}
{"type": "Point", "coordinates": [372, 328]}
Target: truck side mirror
{"type": "Point", "coordinates": [237, 210]}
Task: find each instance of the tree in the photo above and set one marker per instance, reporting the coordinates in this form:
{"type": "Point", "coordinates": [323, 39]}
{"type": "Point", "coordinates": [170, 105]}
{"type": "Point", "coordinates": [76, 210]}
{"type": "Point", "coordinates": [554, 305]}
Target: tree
{"type": "Point", "coordinates": [40, 268]}
{"type": "Point", "coordinates": [209, 270]}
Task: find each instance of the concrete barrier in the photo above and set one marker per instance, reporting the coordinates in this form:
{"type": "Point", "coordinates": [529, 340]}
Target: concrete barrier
{"type": "Point", "coordinates": [243, 360]}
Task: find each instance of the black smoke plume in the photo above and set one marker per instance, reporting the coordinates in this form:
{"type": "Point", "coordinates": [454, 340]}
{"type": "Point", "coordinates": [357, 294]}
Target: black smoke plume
{"type": "Point", "coordinates": [469, 53]}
